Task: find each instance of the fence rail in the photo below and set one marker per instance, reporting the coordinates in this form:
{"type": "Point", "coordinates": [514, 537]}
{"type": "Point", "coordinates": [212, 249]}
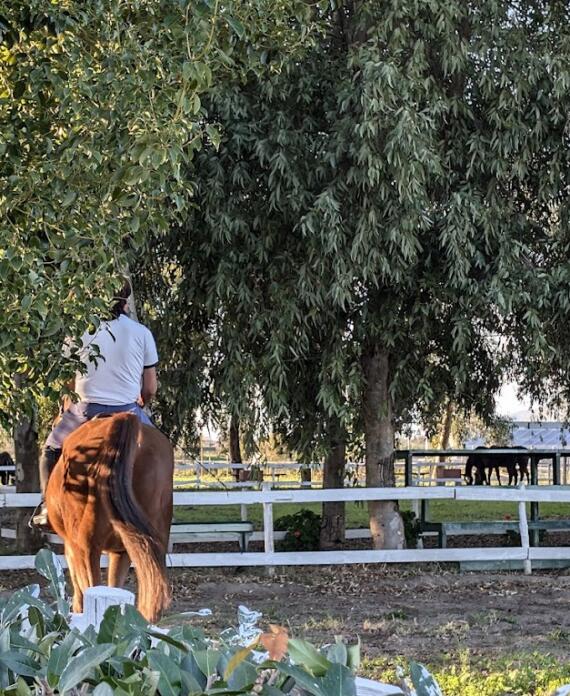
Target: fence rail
{"type": "Point", "coordinates": [268, 498]}
{"type": "Point", "coordinates": [417, 467]}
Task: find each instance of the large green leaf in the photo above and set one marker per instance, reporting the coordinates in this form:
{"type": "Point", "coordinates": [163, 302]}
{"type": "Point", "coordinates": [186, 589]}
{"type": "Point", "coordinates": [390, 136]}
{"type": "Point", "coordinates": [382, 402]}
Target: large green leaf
{"type": "Point", "coordinates": [207, 660]}
{"type": "Point", "coordinates": [304, 680]}
{"type": "Point", "coordinates": [170, 682]}
{"type": "Point", "coordinates": [19, 664]}
{"type": "Point", "coordinates": [304, 654]}
{"type": "Point", "coordinates": [243, 676]}
{"type": "Point", "coordinates": [60, 657]}
{"type": "Point", "coordinates": [424, 683]}
{"type": "Point", "coordinates": [48, 565]}
{"type": "Point", "coordinates": [121, 622]}
{"type": "Point", "coordinates": [189, 666]}
{"type": "Point", "coordinates": [18, 604]}
{"type": "Point", "coordinates": [338, 652]}
{"type": "Point", "coordinates": [353, 656]}
{"type": "Point", "coordinates": [83, 665]}
{"type": "Point", "coordinates": [338, 681]}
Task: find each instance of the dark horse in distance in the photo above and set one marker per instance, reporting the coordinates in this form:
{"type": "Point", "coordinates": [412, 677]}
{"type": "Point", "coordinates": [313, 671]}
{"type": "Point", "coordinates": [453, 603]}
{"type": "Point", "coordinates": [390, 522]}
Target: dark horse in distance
{"type": "Point", "coordinates": [484, 465]}
{"type": "Point", "coordinates": [111, 492]}
{"type": "Point", "coordinates": [6, 460]}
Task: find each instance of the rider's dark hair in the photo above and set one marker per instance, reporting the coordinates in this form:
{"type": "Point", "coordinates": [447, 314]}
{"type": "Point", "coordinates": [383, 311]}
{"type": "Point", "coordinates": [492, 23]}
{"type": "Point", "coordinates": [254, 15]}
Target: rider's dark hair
{"type": "Point", "coordinates": [120, 301]}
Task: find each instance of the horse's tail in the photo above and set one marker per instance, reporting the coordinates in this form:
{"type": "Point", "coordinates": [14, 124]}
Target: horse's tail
{"type": "Point", "coordinates": [140, 539]}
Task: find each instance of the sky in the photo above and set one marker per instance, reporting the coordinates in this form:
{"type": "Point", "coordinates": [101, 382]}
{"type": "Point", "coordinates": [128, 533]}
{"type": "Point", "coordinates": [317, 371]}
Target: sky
{"type": "Point", "coordinates": [509, 404]}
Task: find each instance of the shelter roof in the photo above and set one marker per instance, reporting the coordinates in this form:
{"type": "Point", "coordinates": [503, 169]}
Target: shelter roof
{"type": "Point", "coordinates": [532, 434]}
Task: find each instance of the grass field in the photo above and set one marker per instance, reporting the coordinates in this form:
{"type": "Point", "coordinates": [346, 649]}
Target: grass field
{"type": "Point", "coordinates": [357, 514]}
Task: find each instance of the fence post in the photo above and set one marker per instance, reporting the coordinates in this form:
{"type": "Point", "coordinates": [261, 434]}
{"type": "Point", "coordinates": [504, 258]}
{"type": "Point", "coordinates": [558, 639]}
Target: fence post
{"type": "Point", "coordinates": [96, 601]}
{"type": "Point", "coordinates": [408, 469]}
{"type": "Point", "coordinates": [523, 529]}
{"type": "Point", "coordinates": [556, 469]}
{"type": "Point", "coordinates": [269, 545]}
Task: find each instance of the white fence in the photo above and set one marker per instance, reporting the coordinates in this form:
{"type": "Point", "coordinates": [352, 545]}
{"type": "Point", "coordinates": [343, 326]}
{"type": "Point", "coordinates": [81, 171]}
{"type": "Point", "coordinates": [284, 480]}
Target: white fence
{"type": "Point", "coordinates": [428, 470]}
{"type": "Point", "coordinates": [268, 498]}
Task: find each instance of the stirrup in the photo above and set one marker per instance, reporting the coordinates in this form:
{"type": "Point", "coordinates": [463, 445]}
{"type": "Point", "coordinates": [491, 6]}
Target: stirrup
{"type": "Point", "coordinates": [39, 519]}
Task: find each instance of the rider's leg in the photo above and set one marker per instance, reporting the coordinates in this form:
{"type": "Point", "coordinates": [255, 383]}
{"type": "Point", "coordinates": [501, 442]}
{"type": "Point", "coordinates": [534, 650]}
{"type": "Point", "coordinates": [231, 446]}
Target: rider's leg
{"type": "Point", "coordinates": [69, 421]}
{"type": "Point", "coordinates": [48, 460]}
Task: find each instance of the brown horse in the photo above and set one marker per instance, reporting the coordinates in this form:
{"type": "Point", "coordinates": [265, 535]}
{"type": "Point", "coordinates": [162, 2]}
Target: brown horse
{"type": "Point", "coordinates": [111, 492]}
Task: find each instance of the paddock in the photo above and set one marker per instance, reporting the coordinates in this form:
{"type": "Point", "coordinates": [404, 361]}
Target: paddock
{"type": "Point", "coordinates": [402, 604]}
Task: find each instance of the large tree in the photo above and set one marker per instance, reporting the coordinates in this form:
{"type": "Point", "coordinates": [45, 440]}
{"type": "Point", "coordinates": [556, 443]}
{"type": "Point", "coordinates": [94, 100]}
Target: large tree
{"type": "Point", "coordinates": [100, 112]}
{"type": "Point", "coordinates": [390, 190]}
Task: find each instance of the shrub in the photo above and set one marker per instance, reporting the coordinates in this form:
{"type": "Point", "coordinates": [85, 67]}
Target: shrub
{"type": "Point", "coordinates": [303, 531]}
{"type": "Point", "coordinates": [412, 528]}
{"type": "Point", "coordinates": [40, 653]}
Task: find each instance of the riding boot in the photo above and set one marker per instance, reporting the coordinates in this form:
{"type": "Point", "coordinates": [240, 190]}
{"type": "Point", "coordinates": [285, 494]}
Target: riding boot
{"type": "Point", "coordinates": [48, 460]}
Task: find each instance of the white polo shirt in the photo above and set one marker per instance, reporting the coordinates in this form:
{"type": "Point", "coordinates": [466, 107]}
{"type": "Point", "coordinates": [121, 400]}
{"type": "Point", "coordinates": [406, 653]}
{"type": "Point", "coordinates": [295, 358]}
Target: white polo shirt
{"type": "Point", "coordinates": [114, 379]}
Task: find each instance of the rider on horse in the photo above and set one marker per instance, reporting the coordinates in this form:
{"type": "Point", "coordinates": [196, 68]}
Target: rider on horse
{"type": "Point", "coordinates": [121, 378]}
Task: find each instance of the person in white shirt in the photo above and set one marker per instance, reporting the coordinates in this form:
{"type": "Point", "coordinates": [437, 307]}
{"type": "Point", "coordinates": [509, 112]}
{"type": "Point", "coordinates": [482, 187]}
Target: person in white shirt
{"type": "Point", "coordinates": [120, 359]}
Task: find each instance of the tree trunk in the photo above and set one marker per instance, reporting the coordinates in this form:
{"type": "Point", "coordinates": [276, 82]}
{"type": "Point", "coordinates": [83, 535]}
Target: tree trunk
{"type": "Point", "coordinates": [235, 449]}
{"type": "Point", "coordinates": [333, 516]}
{"type": "Point", "coordinates": [446, 432]}
{"type": "Point", "coordinates": [386, 524]}
{"type": "Point", "coordinates": [441, 471]}
{"type": "Point", "coordinates": [27, 481]}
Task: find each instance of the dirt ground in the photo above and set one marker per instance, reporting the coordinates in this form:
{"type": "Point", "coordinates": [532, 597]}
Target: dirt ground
{"type": "Point", "coordinates": [426, 612]}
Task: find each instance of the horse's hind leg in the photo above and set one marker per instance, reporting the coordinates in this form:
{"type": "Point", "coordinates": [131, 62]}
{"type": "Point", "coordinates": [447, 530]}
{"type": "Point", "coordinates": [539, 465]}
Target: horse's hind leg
{"type": "Point", "coordinates": [77, 602]}
{"type": "Point", "coordinates": [86, 571]}
{"type": "Point", "coordinates": [119, 564]}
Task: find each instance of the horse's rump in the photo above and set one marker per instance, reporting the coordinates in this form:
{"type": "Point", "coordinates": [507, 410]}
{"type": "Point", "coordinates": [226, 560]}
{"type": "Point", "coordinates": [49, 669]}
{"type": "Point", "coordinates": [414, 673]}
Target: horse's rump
{"type": "Point", "coordinates": [112, 491]}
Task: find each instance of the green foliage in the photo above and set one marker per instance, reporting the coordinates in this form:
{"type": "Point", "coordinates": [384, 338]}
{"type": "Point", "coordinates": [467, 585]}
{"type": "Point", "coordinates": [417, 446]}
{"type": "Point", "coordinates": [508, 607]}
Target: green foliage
{"type": "Point", "coordinates": [400, 187]}
{"type": "Point", "coordinates": [303, 531]}
{"type": "Point", "coordinates": [412, 528]}
{"type": "Point", "coordinates": [534, 674]}
{"type": "Point", "coordinates": [40, 652]}
{"type": "Point", "coordinates": [100, 118]}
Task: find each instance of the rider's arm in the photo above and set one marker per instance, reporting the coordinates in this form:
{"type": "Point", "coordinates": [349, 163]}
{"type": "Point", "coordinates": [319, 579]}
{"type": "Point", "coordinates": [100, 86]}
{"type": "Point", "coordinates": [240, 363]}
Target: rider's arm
{"type": "Point", "coordinates": [149, 384]}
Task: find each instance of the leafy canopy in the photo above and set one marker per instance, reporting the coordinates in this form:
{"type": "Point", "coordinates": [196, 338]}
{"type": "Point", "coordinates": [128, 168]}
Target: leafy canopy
{"type": "Point", "coordinates": [401, 186]}
{"type": "Point", "coordinates": [100, 116]}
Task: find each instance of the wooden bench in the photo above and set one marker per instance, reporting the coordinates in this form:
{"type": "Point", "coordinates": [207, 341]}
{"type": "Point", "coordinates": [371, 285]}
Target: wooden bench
{"type": "Point", "coordinates": [444, 529]}
{"type": "Point", "coordinates": [241, 531]}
